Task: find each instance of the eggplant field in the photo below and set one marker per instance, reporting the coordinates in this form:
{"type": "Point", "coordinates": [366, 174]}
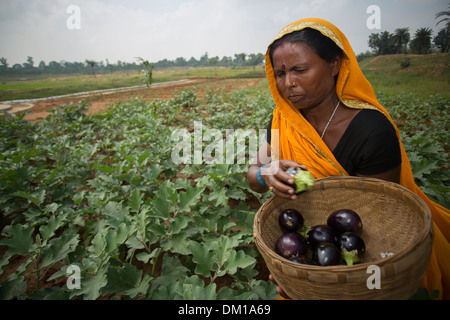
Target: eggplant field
{"type": "Point", "coordinates": [149, 199]}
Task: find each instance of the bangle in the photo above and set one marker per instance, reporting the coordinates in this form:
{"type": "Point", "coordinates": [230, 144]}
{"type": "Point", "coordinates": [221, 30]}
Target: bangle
{"type": "Point", "coordinates": [258, 176]}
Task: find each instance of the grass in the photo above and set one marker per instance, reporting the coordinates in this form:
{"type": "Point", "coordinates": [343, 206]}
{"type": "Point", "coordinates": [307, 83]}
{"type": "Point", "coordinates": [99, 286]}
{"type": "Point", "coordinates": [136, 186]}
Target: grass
{"type": "Point", "coordinates": [40, 87]}
{"type": "Point", "coordinates": [426, 74]}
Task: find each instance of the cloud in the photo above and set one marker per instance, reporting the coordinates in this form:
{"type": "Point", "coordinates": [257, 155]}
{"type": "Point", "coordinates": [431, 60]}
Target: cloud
{"type": "Point", "coordinates": [158, 29]}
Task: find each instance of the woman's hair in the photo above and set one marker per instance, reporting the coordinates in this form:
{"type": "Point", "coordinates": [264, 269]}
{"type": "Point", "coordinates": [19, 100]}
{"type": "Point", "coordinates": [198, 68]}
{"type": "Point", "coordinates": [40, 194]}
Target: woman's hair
{"type": "Point", "coordinates": [320, 44]}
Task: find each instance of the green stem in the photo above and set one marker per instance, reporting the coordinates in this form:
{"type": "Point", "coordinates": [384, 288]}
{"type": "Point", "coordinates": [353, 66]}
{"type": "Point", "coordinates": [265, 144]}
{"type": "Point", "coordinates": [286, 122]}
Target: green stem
{"type": "Point", "coordinates": [350, 257]}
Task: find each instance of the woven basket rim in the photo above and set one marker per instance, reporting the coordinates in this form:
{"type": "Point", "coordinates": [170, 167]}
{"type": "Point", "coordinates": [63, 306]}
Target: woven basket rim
{"type": "Point", "coordinates": [343, 268]}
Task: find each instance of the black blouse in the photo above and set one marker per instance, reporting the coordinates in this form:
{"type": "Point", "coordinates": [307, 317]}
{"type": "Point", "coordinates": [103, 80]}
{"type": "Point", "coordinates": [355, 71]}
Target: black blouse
{"type": "Point", "coordinates": [368, 146]}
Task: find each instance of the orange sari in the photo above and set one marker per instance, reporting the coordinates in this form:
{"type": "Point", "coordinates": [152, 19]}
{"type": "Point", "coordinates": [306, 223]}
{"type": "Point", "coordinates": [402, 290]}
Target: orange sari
{"type": "Point", "coordinates": [306, 147]}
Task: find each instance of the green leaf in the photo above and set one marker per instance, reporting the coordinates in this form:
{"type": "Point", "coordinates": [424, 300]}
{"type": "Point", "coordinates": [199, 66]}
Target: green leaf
{"type": "Point", "coordinates": [136, 200]}
{"type": "Point", "coordinates": [92, 286]}
{"type": "Point", "coordinates": [47, 231]}
{"type": "Point", "coordinates": [219, 197]}
{"type": "Point", "coordinates": [160, 207]}
{"type": "Point", "coordinates": [18, 239]}
{"type": "Point", "coordinates": [161, 293]}
{"type": "Point", "coordinates": [4, 261]}
{"type": "Point", "coordinates": [194, 289]}
{"type": "Point", "coordinates": [172, 274]}
{"type": "Point", "coordinates": [179, 223]}
{"type": "Point", "coordinates": [238, 260]}
{"type": "Point", "coordinates": [127, 280]}
{"type": "Point", "coordinates": [226, 293]}
{"type": "Point", "coordinates": [145, 256]}
{"type": "Point", "coordinates": [143, 156]}
{"type": "Point", "coordinates": [222, 249]}
{"type": "Point", "coordinates": [115, 237]}
{"type": "Point", "coordinates": [190, 197]}
{"type": "Point", "coordinates": [105, 168]}
{"type": "Point", "coordinates": [203, 257]}
{"type": "Point", "coordinates": [59, 248]}
{"type": "Point", "coordinates": [117, 213]}
{"type": "Point", "coordinates": [424, 294]}
{"type": "Point", "coordinates": [52, 207]}
{"type": "Point", "coordinates": [53, 293]}
{"type": "Point", "coordinates": [237, 193]}
{"type": "Point", "coordinates": [176, 244]}
{"type": "Point", "coordinates": [424, 166]}
{"type": "Point", "coordinates": [98, 244]}
{"type": "Point", "coordinates": [264, 290]}
{"type": "Point", "coordinates": [37, 197]}
{"type": "Point", "coordinates": [14, 288]}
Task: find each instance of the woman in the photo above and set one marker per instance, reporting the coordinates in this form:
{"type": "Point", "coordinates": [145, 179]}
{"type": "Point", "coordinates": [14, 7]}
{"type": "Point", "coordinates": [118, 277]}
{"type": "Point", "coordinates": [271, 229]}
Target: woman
{"type": "Point", "coordinates": [327, 120]}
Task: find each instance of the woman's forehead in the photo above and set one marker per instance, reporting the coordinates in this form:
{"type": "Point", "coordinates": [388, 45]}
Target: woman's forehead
{"type": "Point", "coordinates": [293, 53]}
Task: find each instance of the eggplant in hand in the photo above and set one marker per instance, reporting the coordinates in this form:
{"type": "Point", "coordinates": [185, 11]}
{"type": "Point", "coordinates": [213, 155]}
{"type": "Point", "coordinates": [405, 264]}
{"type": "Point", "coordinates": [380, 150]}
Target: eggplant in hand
{"type": "Point", "coordinates": [303, 179]}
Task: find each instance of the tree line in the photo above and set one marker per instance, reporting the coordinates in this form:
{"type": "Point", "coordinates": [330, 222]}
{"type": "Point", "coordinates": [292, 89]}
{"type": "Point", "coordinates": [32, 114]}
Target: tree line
{"type": "Point", "coordinates": [103, 67]}
{"type": "Point", "coordinates": [400, 41]}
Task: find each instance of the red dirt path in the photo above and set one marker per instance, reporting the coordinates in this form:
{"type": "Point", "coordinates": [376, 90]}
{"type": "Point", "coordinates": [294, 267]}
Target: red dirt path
{"type": "Point", "coordinates": [102, 101]}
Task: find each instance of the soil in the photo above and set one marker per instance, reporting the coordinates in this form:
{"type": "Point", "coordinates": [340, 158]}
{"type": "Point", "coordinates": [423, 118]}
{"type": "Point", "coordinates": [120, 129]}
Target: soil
{"type": "Point", "coordinates": [39, 109]}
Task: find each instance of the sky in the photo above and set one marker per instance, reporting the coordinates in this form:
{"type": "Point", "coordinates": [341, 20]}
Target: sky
{"type": "Point", "coordinates": [76, 30]}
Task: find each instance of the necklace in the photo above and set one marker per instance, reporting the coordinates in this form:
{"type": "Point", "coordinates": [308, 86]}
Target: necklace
{"type": "Point", "coordinates": [331, 118]}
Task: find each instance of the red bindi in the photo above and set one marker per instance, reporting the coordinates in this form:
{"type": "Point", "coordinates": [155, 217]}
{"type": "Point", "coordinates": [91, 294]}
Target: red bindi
{"type": "Point", "coordinates": [283, 67]}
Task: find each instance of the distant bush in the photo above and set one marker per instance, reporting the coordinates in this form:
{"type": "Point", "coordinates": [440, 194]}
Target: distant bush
{"type": "Point", "coordinates": [404, 62]}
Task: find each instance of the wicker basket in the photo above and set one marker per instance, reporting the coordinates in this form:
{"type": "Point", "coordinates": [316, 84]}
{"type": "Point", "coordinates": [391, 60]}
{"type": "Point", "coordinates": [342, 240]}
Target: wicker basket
{"type": "Point", "coordinates": [395, 221]}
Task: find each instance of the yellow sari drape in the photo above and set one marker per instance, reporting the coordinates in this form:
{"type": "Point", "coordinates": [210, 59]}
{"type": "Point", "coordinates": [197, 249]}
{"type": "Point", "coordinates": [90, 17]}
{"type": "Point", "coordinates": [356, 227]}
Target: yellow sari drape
{"type": "Point", "coordinates": [299, 141]}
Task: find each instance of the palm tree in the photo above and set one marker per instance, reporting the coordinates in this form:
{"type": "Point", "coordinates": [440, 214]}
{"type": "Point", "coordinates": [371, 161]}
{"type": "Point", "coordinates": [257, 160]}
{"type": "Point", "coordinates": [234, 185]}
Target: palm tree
{"type": "Point", "coordinates": [401, 38]}
{"type": "Point", "coordinates": [421, 43]}
{"type": "Point", "coordinates": [92, 64]}
{"type": "Point", "coordinates": [382, 43]}
{"type": "Point", "coordinates": [446, 19]}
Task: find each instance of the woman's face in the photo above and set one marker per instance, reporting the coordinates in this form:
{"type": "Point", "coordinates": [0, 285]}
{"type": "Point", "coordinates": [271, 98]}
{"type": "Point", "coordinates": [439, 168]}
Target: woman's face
{"type": "Point", "coordinates": [303, 76]}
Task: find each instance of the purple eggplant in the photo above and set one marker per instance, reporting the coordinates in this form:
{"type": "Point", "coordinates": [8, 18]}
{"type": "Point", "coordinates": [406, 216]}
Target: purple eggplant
{"type": "Point", "coordinates": [291, 220]}
{"type": "Point", "coordinates": [345, 220]}
{"type": "Point", "coordinates": [326, 254]}
{"type": "Point", "coordinates": [352, 247]}
{"type": "Point", "coordinates": [303, 260]}
{"type": "Point", "coordinates": [321, 233]}
{"type": "Point", "coordinates": [303, 179]}
{"type": "Point", "coordinates": [291, 245]}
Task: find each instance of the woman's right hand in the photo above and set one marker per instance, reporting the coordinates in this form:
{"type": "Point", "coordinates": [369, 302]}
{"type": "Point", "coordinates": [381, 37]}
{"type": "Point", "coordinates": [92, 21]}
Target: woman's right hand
{"type": "Point", "coordinates": [275, 177]}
